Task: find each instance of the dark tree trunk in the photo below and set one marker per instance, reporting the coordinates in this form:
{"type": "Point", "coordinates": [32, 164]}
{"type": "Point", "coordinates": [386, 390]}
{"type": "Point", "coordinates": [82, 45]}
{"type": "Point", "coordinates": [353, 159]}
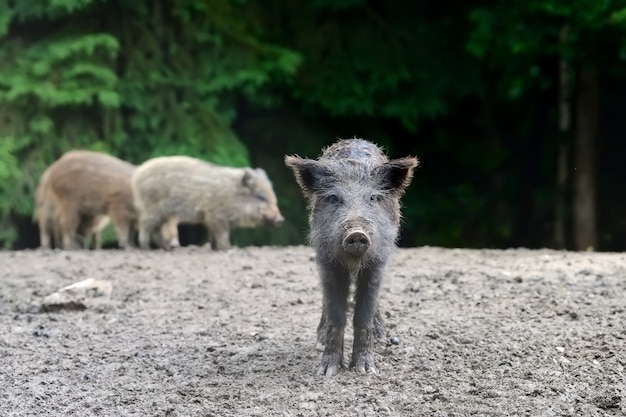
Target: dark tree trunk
{"type": "Point", "coordinates": [562, 160]}
{"type": "Point", "coordinates": [587, 109]}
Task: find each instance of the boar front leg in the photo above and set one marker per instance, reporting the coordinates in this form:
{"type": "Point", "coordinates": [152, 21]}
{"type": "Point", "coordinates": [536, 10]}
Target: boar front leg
{"type": "Point", "coordinates": [122, 229]}
{"type": "Point", "coordinates": [322, 327]}
{"type": "Point", "coordinates": [380, 333]}
{"type": "Point", "coordinates": [144, 236]}
{"type": "Point", "coordinates": [367, 320]}
{"type": "Point", "coordinates": [220, 236]}
{"type": "Point", "coordinates": [379, 325]}
{"type": "Point", "coordinates": [147, 226]}
{"type": "Point", "coordinates": [335, 287]}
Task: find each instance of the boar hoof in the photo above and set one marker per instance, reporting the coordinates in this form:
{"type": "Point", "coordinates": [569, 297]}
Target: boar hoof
{"type": "Point", "coordinates": [331, 363]}
{"type": "Point", "coordinates": [363, 363]}
{"type": "Point", "coordinates": [356, 243]}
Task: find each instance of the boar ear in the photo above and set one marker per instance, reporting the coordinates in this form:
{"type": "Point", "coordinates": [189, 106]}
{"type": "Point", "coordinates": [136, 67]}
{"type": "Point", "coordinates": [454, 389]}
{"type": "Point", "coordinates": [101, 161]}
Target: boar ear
{"type": "Point", "coordinates": [308, 172]}
{"type": "Point", "coordinates": [248, 179]}
{"type": "Point", "coordinates": [261, 173]}
{"type": "Point", "coordinates": [397, 174]}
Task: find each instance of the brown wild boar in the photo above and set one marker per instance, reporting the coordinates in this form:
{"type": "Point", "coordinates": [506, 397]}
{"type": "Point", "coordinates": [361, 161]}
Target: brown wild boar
{"type": "Point", "coordinates": [188, 190]}
{"type": "Point", "coordinates": [46, 217]}
{"type": "Point", "coordinates": [86, 189]}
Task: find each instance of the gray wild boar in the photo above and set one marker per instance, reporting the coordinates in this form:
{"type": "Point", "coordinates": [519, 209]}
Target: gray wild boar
{"type": "Point", "coordinates": [188, 190]}
{"type": "Point", "coordinates": [46, 217]}
{"type": "Point", "coordinates": [85, 190]}
{"type": "Point", "coordinates": [354, 194]}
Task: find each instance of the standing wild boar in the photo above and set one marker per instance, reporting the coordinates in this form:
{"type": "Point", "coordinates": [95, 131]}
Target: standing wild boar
{"type": "Point", "coordinates": [86, 189]}
{"type": "Point", "coordinates": [46, 217]}
{"type": "Point", "coordinates": [354, 194]}
{"type": "Point", "coordinates": [188, 190]}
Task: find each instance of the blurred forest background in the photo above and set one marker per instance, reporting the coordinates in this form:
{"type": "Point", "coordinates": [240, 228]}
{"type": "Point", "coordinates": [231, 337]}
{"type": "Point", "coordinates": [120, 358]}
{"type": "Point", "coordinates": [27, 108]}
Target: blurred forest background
{"type": "Point", "coordinates": [516, 108]}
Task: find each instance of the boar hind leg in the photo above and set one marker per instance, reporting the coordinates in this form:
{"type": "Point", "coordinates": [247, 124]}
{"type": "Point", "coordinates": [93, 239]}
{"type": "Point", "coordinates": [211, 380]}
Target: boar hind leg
{"type": "Point", "coordinates": [336, 286]}
{"type": "Point", "coordinates": [57, 236]}
{"type": "Point", "coordinates": [365, 320]}
{"type": "Point", "coordinates": [44, 236]}
{"type": "Point", "coordinates": [122, 230]}
{"type": "Point", "coordinates": [83, 234]}
{"type": "Point", "coordinates": [44, 239]}
{"type": "Point", "coordinates": [69, 241]}
{"type": "Point", "coordinates": [97, 240]}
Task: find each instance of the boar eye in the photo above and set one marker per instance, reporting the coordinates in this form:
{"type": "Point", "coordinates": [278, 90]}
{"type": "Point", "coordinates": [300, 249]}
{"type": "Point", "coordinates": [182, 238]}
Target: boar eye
{"type": "Point", "coordinates": [376, 197]}
{"type": "Point", "coordinates": [333, 199]}
{"type": "Point", "coordinates": [260, 197]}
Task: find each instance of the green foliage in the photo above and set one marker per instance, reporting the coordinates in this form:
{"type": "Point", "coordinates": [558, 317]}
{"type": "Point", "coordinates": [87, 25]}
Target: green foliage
{"type": "Point", "coordinates": [375, 62]}
{"type": "Point", "coordinates": [179, 87]}
{"type": "Point", "coordinates": [461, 80]}
{"type": "Point", "coordinates": [514, 39]}
{"type": "Point", "coordinates": [619, 16]}
{"type": "Point", "coordinates": [54, 73]}
{"type": "Point", "coordinates": [49, 89]}
{"type": "Point", "coordinates": [336, 4]}
{"type": "Point", "coordinates": [6, 15]}
{"type": "Point", "coordinates": [49, 9]}
{"type": "Point", "coordinates": [9, 176]}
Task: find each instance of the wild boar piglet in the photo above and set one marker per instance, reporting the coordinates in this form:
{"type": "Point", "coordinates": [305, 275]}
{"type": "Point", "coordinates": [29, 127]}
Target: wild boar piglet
{"type": "Point", "coordinates": [354, 191]}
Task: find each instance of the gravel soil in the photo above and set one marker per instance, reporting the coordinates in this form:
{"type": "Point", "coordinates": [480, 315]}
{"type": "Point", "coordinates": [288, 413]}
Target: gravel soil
{"type": "Point", "coordinates": [194, 332]}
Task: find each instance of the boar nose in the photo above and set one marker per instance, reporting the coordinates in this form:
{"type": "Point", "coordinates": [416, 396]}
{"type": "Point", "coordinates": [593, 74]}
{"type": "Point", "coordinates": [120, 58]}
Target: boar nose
{"type": "Point", "coordinates": [276, 220]}
{"type": "Point", "coordinates": [174, 243]}
{"type": "Point", "coordinates": [356, 243]}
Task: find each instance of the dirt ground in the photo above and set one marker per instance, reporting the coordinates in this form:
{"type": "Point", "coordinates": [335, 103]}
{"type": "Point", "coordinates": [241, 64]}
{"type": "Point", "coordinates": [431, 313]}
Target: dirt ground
{"type": "Point", "coordinates": [199, 333]}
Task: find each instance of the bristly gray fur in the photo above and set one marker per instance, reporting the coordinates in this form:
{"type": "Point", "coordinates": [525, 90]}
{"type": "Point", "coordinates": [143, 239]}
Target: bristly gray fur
{"type": "Point", "coordinates": [353, 192]}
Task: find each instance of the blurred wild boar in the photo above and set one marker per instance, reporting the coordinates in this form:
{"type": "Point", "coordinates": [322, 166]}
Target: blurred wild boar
{"type": "Point", "coordinates": [46, 217]}
{"type": "Point", "coordinates": [188, 190]}
{"type": "Point", "coordinates": [354, 194]}
{"type": "Point", "coordinates": [85, 190]}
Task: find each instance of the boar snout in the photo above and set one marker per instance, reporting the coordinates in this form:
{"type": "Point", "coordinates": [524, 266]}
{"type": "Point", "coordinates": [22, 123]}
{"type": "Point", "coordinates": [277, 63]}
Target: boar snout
{"type": "Point", "coordinates": [276, 220]}
{"type": "Point", "coordinates": [174, 243]}
{"type": "Point", "coordinates": [356, 242]}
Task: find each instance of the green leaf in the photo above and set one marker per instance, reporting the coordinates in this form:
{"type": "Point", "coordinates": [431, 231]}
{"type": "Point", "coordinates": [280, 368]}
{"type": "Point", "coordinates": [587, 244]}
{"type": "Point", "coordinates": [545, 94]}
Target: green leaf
{"type": "Point", "coordinates": [109, 99]}
{"type": "Point", "coordinates": [41, 124]}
